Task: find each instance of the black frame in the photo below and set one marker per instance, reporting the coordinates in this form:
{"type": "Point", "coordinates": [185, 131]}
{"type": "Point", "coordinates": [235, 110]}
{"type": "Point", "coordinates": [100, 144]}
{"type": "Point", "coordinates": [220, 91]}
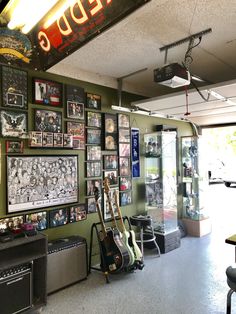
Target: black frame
{"type": "Point", "coordinates": [11, 223]}
{"type": "Point", "coordinates": [97, 172]}
{"type": "Point", "coordinates": [124, 149]}
{"type": "Point", "coordinates": [91, 205]}
{"type": "Point", "coordinates": [74, 93]}
{"type": "Point", "coordinates": [46, 96]}
{"type": "Point", "coordinates": [112, 176]}
{"type": "Point", "coordinates": [77, 213]}
{"type": "Point", "coordinates": [93, 101]}
{"type": "Point", "coordinates": [62, 213]}
{"type": "Point", "coordinates": [126, 198]}
{"type": "Point", "coordinates": [75, 110]}
{"type": "Point", "coordinates": [14, 147]}
{"type": "Point", "coordinates": [36, 222]}
{"type": "Point", "coordinates": [93, 136]}
{"type": "Point", "coordinates": [124, 166]}
{"type": "Point", "coordinates": [93, 153]}
{"type": "Point", "coordinates": [91, 184]}
{"type": "Point", "coordinates": [17, 120]}
{"type": "Point", "coordinates": [77, 129]}
{"type": "Point", "coordinates": [94, 119]}
{"type": "Point", "coordinates": [43, 124]}
{"type": "Point", "coordinates": [110, 162]}
{"type": "Point", "coordinates": [125, 183]}
{"type": "Point", "coordinates": [123, 120]}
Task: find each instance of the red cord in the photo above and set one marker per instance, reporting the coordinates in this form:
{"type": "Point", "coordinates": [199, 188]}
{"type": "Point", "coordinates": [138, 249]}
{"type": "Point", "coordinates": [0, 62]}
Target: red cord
{"type": "Point", "coordinates": [187, 113]}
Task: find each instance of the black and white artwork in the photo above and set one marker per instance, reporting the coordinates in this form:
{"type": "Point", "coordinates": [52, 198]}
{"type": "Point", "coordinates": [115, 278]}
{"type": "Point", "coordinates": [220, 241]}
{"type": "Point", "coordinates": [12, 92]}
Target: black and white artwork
{"type": "Point", "coordinates": [41, 181]}
{"type": "Point", "coordinates": [13, 123]}
{"type": "Point", "coordinates": [48, 121]}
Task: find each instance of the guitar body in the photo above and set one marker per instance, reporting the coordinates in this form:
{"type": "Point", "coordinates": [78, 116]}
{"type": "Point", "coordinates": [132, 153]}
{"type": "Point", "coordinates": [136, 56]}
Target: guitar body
{"type": "Point", "coordinates": [122, 247]}
{"type": "Point", "coordinates": [132, 242]}
{"type": "Point", "coordinates": [125, 239]}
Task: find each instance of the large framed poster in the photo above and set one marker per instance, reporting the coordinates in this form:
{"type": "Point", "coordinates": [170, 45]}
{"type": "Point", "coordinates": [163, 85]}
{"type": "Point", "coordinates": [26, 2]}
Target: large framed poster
{"type": "Point", "coordinates": [41, 181]}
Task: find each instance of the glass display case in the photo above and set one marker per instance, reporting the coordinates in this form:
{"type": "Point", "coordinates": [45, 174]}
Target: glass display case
{"type": "Point", "coordinates": [160, 180]}
{"type": "Point", "coordinates": [194, 179]}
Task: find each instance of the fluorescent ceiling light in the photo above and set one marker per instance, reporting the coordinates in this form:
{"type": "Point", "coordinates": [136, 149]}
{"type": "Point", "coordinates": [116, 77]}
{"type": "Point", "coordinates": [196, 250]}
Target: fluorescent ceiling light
{"type": "Point", "coordinates": [119, 108]}
{"type": "Point", "coordinates": [25, 14]}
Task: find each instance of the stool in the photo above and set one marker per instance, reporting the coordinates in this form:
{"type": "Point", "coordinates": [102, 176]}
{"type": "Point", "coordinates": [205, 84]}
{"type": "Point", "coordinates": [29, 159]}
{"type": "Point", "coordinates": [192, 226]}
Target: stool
{"type": "Point", "coordinates": [142, 222]}
{"type": "Point", "coordinates": [231, 280]}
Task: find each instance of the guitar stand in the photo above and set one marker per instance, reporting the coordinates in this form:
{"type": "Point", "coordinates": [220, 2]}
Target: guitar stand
{"type": "Point", "coordinates": [94, 228]}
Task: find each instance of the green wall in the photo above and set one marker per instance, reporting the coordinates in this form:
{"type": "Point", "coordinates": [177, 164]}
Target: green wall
{"type": "Point", "coordinates": [146, 124]}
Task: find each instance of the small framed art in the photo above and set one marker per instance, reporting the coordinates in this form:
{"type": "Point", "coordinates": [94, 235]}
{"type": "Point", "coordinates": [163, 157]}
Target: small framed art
{"type": "Point", "coordinates": [94, 153]}
{"type": "Point", "coordinates": [94, 119]}
{"type": "Point", "coordinates": [112, 176]}
{"type": "Point", "coordinates": [47, 92]}
{"type": "Point", "coordinates": [67, 140]}
{"type": "Point", "coordinates": [75, 93]}
{"type": "Point", "coordinates": [125, 198]}
{"type": "Point", "coordinates": [124, 166]}
{"type": "Point", "coordinates": [11, 222]}
{"type": "Point", "coordinates": [91, 205]}
{"type": "Point", "coordinates": [77, 213]}
{"type": "Point", "coordinates": [13, 147]}
{"type": "Point", "coordinates": [93, 169]}
{"type": "Point", "coordinates": [47, 139]}
{"type": "Point", "coordinates": [110, 162]}
{"type": "Point", "coordinates": [14, 88]}
{"type": "Point", "coordinates": [58, 217]}
{"type": "Point", "coordinates": [124, 135]}
{"type": "Point", "coordinates": [48, 121]}
{"type": "Point", "coordinates": [123, 120]}
{"type": "Point", "coordinates": [124, 150]}
{"type": "Point", "coordinates": [93, 101]}
{"type": "Point", "coordinates": [39, 220]}
{"type": "Point", "coordinates": [75, 110]}
{"type": "Point", "coordinates": [93, 136]}
{"type": "Point", "coordinates": [77, 129]}
{"type": "Point", "coordinates": [125, 183]}
{"type": "Point", "coordinates": [35, 139]}
{"type": "Point", "coordinates": [110, 123]}
{"type": "Point", "coordinates": [13, 123]}
{"type": "Point", "coordinates": [57, 139]}
{"type": "Point", "coordinates": [91, 185]}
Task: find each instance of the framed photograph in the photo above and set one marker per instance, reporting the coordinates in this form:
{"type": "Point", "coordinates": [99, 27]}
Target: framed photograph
{"type": "Point", "coordinates": [112, 176]}
{"type": "Point", "coordinates": [77, 213]}
{"type": "Point", "coordinates": [75, 110]}
{"type": "Point", "coordinates": [58, 139]}
{"type": "Point", "coordinates": [93, 101]}
{"type": "Point", "coordinates": [124, 135]}
{"type": "Point", "coordinates": [75, 93]}
{"type": "Point", "coordinates": [14, 147]}
{"type": "Point", "coordinates": [124, 150]}
{"type": "Point", "coordinates": [124, 166]}
{"type": "Point", "coordinates": [110, 162]}
{"type": "Point", "coordinates": [47, 121]}
{"type": "Point", "coordinates": [93, 169]}
{"type": "Point", "coordinates": [67, 140]}
{"type": "Point", "coordinates": [90, 186]}
{"type": "Point", "coordinates": [35, 139]}
{"type": "Point", "coordinates": [91, 205]}
{"type": "Point", "coordinates": [106, 211]}
{"type": "Point", "coordinates": [47, 139]}
{"type": "Point", "coordinates": [47, 92]}
{"type": "Point", "coordinates": [11, 223]}
{"type": "Point", "coordinates": [58, 217]}
{"type": "Point", "coordinates": [14, 88]}
{"type": "Point", "coordinates": [111, 142]}
{"type": "Point", "coordinates": [94, 119]}
{"type": "Point", "coordinates": [110, 123]}
{"type": "Point", "coordinates": [93, 136]}
{"type": "Point", "coordinates": [125, 183]}
{"type": "Point", "coordinates": [38, 220]}
{"type": "Point", "coordinates": [77, 129]}
{"type": "Point", "coordinates": [123, 120]}
{"type": "Point", "coordinates": [41, 181]}
{"type": "Point", "coordinates": [94, 153]}
{"type": "Point", "coordinates": [125, 198]}
{"type": "Point", "coordinates": [13, 123]}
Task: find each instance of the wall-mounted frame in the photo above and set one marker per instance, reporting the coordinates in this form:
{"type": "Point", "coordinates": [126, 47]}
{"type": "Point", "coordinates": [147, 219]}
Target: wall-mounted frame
{"type": "Point", "coordinates": [124, 135]}
{"type": "Point", "coordinates": [13, 147]}
{"type": "Point", "coordinates": [75, 110]}
{"type": "Point", "coordinates": [124, 150]}
{"type": "Point", "coordinates": [125, 198]}
{"type": "Point", "coordinates": [14, 88]}
{"type": "Point", "coordinates": [57, 139]}
{"type": "Point", "coordinates": [93, 169]}
{"type": "Point", "coordinates": [124, 166]}
{"type": "Point", "coordinates": [106, 211]}
{"type": "Point", "coordinates": [94, 119]}
{"type": "Point", "coordinates": [123, 120]}
{"type": "Point", "coordinates": [38, 219]}
{"type": "Point", "coordinates": [35, 139]}
{"type": "Point", "coordinates": [13, 123]}
{"type": "Point", "coordinates": [47, 139]}
{"type": "Point", "coordinates": [110, 162]}
{"type": "Point", "coordinates": [58, 217]}
{"type": "Point", "coordinates": [93, 101]}
{"type": "Point", "coordinates": [125, 183]}
{"type": "Point", "coordinates": [91, 205]}
{"type": "Point", "coordinates": [93, 153]}
{"type": "Point", "coordinates": [91, 185]}
{"type": "Point", "coordinates": [93, 136]}
{"type": "Point", "coordinates": [110, 123]}
{"type": "Point", "coordinates": [41, 181]}
{"type": "Point", "coordinates": [75, 93]}
{"type": "Point", "coordinates": [135, 152]}
{"type": "Point", "coordinates": [112, 176]}
{"type": "Point", "coordinates": [12, 222]}
{"type": "Point", "coordinates": [76, 129]}
{"type": "Point", "coordinates": [47, 121]}
{"type": "Point", "coordinates": [67, 140]}
{"type": "Point", "coordinates": [111, 142]}
{"type": "Point", "coordinates": [77, 213]}
{"type": "Point", "coordinates": [47, 92]}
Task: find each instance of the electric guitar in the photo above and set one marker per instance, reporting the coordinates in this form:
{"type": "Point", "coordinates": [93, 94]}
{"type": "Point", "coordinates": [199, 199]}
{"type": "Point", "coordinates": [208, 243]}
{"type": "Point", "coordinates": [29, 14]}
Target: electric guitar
{"type": "Point", "coordinates": [117, 236]}
{"type": "Point", "coordinates": [129, 237]}
{"type": "Point", "coordinates": [112, 259]}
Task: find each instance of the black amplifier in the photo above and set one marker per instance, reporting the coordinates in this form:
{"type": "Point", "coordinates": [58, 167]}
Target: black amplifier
{"type": "Point", "coordinates": [67, 262]}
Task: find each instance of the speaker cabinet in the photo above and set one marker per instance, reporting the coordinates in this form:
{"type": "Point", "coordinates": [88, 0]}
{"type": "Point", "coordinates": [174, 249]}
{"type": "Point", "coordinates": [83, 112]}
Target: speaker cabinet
{"type": "Point", "coordinates": [67, 262]}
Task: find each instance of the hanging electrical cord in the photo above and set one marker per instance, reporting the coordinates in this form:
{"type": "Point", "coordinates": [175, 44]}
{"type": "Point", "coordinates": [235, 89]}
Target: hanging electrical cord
{"type": "Point", "coordinates": [188, 59]}
{"type": "Point", "coordinates": [200, 93]}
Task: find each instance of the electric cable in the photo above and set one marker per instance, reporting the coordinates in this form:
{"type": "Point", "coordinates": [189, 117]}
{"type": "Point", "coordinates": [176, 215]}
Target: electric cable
{"type": "Point", "coordinates": [200, 93]}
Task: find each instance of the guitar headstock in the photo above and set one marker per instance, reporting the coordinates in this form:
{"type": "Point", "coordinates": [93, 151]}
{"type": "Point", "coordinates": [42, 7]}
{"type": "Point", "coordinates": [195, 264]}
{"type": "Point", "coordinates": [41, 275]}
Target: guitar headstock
{"type": "Point", "coordinates": [106, 184]}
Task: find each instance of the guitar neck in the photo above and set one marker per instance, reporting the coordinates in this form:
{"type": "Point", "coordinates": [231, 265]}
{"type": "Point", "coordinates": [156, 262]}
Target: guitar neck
{"type": "Point", "coordinates": [103, 227]}
{"type": "Point", "coordinates": [123, 229]}
{"type": "Point", "coordinates": [111, 210]}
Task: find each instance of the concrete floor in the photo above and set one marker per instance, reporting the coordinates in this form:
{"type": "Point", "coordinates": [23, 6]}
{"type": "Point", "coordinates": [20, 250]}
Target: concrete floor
{"type": "Point", "coordinates": [190, 279]}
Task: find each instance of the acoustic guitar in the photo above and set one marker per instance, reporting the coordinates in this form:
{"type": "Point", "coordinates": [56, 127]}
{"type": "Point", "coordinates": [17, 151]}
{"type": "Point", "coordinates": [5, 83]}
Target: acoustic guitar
{"type": "Point", "coordinates": [111, 255]}
{"type": "Point", "coordinates": [130, 240]}
{"type": "Point", "coordinates": [117, 235]}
